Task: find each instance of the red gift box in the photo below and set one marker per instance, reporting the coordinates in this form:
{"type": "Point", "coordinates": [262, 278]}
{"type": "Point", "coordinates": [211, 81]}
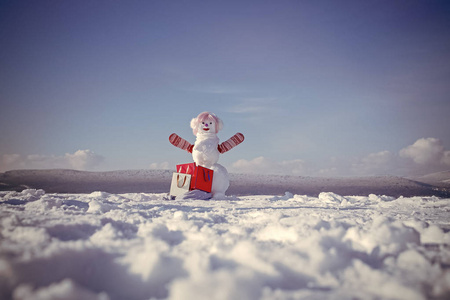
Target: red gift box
{"type": "Point", "coordinates": [201, 177]}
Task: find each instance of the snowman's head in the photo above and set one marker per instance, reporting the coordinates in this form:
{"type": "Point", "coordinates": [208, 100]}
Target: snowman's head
{"type": "Point", "coordinates": [206, 123]}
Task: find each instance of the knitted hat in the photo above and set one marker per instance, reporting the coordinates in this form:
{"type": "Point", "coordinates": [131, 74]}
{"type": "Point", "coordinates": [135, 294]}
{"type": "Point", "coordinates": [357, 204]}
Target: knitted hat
{"type": "Point", "coordinates": [208, 117]}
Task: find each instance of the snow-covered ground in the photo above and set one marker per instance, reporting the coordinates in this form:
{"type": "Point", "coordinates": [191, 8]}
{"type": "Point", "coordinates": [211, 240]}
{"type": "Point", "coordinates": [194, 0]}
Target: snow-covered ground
{"type": "Point", "coordinates": [141, 246]}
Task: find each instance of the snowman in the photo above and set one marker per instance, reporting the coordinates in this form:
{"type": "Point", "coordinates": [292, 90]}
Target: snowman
{"type": "Point", "coordinates": [206, 149]}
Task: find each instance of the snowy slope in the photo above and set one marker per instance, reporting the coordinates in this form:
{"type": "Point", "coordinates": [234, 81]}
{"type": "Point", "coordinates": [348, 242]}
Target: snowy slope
{"type": "Point", "coordinates": [158, 181]}
{"type": "Point", "coordinates": [140, 246]}
{"type": "Point", "coordinates": [438, 179]}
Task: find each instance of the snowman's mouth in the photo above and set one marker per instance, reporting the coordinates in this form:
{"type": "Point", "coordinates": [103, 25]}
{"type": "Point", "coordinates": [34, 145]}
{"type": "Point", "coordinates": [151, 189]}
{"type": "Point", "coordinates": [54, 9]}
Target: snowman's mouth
{"type": "Point", "coordinates": [206, 129]}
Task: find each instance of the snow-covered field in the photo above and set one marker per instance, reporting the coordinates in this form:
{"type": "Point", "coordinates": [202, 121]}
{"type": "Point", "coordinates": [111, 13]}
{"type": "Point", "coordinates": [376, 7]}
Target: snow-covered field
{"type": "Point", "coordinates": [141, 246]}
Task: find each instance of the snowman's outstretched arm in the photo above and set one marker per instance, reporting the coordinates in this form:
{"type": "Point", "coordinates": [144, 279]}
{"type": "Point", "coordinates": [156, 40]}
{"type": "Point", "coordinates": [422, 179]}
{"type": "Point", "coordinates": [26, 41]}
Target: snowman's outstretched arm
{"type": "Point", "coordinates": [181, 143]}
{"type": "Point", "coordinates": [231, 143]}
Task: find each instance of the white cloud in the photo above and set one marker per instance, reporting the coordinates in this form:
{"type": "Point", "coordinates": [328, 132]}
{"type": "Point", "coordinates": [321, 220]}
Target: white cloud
{"type": "Point", "coordinates": [160, 166]}
{"type": "Point", "coordinates": [80, 160]}
{"type": "Point", "coordinates": [427, 155]}
{"type": "Point", "coordinates": [427, 151]}
{"type": "Point", "coordinates": [83, 159]}
{"type": "Point", "coordinates": [262, 165]}
{"type": "Point", "coordinates": [10, 159]}
{"type": "Point", "coordinates": [446, 158]}
{"type": "Point", "coordinates": [379, 163]}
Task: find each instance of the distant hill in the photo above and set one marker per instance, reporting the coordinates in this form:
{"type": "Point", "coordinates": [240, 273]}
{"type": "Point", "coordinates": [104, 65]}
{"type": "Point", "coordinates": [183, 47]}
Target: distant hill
{"type": "Point", "coordinates": [439, 179]}
{"type": "Point", "coordinates": [72, 181]}
{"type": "Point", "coordinates": [158, 181]}
{"type": "Point", "coordinates": [313, 186]}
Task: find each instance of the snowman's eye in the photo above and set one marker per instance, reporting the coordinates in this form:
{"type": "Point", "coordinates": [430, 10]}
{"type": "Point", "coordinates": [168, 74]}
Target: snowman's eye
{"type": "Point", "coordinates": [203, 123]}
{"type": "Point", "coordinates": [210, 123]}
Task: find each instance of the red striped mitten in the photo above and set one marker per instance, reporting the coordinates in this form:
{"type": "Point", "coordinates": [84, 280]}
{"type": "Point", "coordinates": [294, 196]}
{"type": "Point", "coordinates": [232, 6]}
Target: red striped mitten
{"type": "Point", "coordinates": [231, 143]}
{"type": "Point", "coordinates": [181, 143]}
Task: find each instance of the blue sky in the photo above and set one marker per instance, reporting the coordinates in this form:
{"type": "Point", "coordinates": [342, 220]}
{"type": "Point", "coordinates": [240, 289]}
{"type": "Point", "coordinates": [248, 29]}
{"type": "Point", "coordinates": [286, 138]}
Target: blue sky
{"type": "Point", "coordinates": [317, 87]}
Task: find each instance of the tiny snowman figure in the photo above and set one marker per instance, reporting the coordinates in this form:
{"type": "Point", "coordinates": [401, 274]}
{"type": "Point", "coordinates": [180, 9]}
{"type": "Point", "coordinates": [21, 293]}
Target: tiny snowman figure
{"type": "Point", "coordinates": [206, 149]}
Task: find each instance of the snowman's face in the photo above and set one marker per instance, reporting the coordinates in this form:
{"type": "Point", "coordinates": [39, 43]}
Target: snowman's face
{"type": "Point", "coordinates": [207, 127]}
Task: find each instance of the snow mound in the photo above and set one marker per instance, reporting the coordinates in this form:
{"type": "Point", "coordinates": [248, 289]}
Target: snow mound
{"type": "Point", "coordinates": [141, 246]}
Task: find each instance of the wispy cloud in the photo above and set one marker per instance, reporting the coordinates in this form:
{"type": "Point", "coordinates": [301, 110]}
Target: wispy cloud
{"type": "Point", "coordinates": [216, 89]}
{"type": "Point", "coordinates": [254, 105]}
{"type": "Point", "coordinates": [242, 101]}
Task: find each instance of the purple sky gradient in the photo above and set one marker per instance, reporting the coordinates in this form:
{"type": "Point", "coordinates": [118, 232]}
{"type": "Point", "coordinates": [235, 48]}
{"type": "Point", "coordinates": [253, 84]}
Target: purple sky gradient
{"type": "Point", "coordinates": [316, 81]}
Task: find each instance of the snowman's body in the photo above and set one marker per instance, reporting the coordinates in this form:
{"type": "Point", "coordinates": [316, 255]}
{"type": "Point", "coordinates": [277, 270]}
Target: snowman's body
{"type": "Point", "coordinates": [206, 149]}
{"type": "Point", "coordinates": [206, 154]}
